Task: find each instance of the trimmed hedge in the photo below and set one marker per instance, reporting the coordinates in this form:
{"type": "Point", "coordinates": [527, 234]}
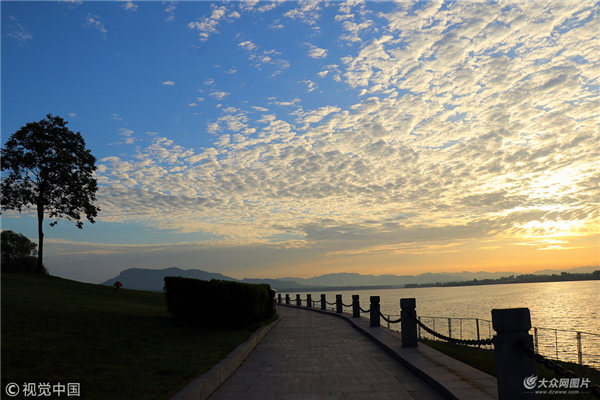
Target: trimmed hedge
{"type": "Point", "coordinates": [217, 303]}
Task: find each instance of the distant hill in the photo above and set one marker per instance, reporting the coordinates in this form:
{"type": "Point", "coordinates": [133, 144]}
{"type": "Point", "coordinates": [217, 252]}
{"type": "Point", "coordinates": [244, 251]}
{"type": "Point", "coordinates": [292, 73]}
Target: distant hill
{"type": "Point", "coordinates": [153, 280]}
{"type": "Point", "coordinates": [354, 279]}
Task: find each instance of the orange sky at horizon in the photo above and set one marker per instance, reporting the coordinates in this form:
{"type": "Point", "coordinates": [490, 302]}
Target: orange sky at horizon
{"type": "Point", "coordinates": [505, 255]}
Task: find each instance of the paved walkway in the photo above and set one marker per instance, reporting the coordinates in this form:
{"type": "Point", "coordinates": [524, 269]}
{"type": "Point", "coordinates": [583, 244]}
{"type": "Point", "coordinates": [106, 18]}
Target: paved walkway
{"type": "Point", "coordinates": [308, 355]}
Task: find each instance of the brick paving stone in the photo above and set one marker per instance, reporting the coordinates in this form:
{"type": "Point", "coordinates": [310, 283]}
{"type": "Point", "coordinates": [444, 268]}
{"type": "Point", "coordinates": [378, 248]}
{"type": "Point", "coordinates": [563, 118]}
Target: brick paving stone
{"type": "Point", "coordinates": [308, 355]}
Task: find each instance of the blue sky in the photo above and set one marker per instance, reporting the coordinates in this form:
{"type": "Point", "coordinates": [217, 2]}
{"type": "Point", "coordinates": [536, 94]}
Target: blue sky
{"type": "Point", "coordinates": [272, 139]}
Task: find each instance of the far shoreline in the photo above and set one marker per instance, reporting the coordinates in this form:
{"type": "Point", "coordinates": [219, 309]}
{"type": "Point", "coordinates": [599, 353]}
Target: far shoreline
{"type": "Point", "coordinates": [528, 278]}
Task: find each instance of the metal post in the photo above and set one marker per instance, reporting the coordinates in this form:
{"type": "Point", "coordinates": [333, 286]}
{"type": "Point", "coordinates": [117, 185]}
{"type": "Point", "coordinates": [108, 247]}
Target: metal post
{"type": "Point", "coordinates": [408, 322]}
{"type": "Point", "coordinates": [419, 328]}
{"type": "Point", "coordinates": [323, 302]}
{"type": "Point", "coordinates": [478, 335]}
{"type": "Point", "coordinates": [374, 311]}
{"type": "Point", "coordinates": [287, 299]}
{"type": "Point", "coordinates": [279, 298]}
{"type": "Point", "coordinates": [338, 304]}
{"type": "Point", "coordinates": [308, 300]}
{"type": "Point", "coordinates": [449, 327]}
{"type": "Point", "coordinates": [355, 306]}
{"type": "Point", "coordinates": [536, 343]}
{"type": "Point", "coordinates": [298, 301]}
{"type": "Point", "coordinates": [556, 343]}
{"type": "Point", "coordinates": [579, 352]}
{"type": "Point", "coordinates": [516, 372]}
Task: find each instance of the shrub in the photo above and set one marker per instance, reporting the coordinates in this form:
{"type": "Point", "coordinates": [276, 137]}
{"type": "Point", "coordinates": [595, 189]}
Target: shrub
{"type": "Point", "coordinates": [218, 303]}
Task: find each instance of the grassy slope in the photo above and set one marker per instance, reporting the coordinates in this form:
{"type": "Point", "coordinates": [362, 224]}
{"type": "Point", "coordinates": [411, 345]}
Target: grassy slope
{"type": "Point", "coordinates": [117, 344]}
{"type": "Point", "coordinates": [483, 360]}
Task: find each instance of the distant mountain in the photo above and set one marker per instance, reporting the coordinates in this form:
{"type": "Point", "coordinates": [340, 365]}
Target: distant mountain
{"type": "Point", "coordinates": [354, 279]}
{"type": "Point", "coordinates": [578, 270]}
{"type": "Point", "coordinates": [275, 283]}
{"type": "Point", "coordinates": [337, 279]}
{"type": "Point", "coordinates": [154, 279]}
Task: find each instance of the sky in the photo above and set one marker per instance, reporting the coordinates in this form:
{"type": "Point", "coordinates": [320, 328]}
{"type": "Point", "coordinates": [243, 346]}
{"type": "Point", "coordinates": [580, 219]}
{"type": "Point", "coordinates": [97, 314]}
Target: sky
{"type": "Point", "coordinates": [295, 139]}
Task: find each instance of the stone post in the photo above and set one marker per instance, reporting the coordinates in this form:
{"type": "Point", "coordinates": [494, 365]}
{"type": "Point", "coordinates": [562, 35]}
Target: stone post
{"type": "Point", "coordinates": [308, 300]}
{"type": "Point", "coordinates": [375, 319]}
{"type": "Point", "coordinates": [338, 304]}
{"type": "Point", "coordinates": [355, 306]}
{"type": "Point", "coordinates": [298, 301]}
{"type": "Point", "coordinates": [279, 298]}
{"type": "Point", "coordinates": [287, 299]}
{"type": "Point", "coordinates": [516, 372]}
{"type": "Point", "coordinates": [323, 302]}
{"type": "Point", "coordinates": [408, 322]}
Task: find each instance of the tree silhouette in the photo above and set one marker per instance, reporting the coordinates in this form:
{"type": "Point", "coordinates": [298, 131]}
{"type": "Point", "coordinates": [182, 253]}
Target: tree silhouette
{"type": "Point", "coordinates": [16, 248]}
{"type": "Point", "coordinates": [50, 169]}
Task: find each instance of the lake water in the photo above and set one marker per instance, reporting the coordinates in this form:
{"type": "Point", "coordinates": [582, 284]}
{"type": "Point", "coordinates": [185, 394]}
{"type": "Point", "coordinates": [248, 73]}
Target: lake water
{"type": "Point", "coordinates": [558, 310]}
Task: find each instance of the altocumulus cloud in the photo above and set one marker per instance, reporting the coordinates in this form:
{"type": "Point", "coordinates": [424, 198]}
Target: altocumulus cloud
{"type": "Point", "coordinates": [476, 120]}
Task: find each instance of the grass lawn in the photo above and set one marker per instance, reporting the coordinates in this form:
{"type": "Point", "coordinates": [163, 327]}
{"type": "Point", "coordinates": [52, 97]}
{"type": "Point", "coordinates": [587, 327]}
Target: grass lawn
{"type": "Point", "coordinates": [483, 360]}
{"type": "Point", "coordinates": [117, 344]}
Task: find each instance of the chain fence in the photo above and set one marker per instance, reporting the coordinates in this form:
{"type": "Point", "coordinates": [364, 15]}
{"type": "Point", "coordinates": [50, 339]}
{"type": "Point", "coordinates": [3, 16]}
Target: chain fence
{"type": "Point", "coordinates": [473, 331]}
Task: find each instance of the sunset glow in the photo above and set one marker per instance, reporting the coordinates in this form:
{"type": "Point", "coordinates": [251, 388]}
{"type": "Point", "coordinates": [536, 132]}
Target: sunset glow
{"type": "Point", "coordinates": [273, 139]}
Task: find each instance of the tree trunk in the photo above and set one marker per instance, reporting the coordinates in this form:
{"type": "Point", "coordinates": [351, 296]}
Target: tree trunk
{"type": "Point", "coordinates": [40, 212]}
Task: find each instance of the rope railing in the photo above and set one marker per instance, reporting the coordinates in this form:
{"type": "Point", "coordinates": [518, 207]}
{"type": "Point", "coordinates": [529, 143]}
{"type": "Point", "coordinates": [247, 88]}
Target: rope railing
{"type": "Point", "coordinates": [469, 342]}
{"type": "Point", "coordinates": [389, 321]}
{"type": "Point", "coordinates": [570, 376]}
{"type": "Point", "coordinates": [346, 305]}
{"type": "Point", "coordinates": [364, 311]}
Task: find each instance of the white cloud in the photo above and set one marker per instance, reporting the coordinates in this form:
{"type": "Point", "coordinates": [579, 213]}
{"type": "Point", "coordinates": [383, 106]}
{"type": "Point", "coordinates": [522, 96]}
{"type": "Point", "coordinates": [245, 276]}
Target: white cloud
{"type": "Point", "coordinates": [93, 21]}
{"type": "Point", "coordinates": [130, 6]}
{"type": "Point", "coordinates": [307, 12]}
{"type": "Point", "coordinates": [316, 52]}
{"type": "Point", "coordinates": [17, 32]}
{"type": "Point", "coordinates": [247, 45]}
{"type": "Point", "coordinates": [170, 10]}
{"type": "Point", "coordinates": [219, 95]}
{"type": "Point", "coordinates": [310, 85]}
{"type": "Point", "coordinates": [208, 25]}
{"type": "Point", "coordinates": [168, 83]}
{"type": "Point", "coordinates": [477, 121]}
